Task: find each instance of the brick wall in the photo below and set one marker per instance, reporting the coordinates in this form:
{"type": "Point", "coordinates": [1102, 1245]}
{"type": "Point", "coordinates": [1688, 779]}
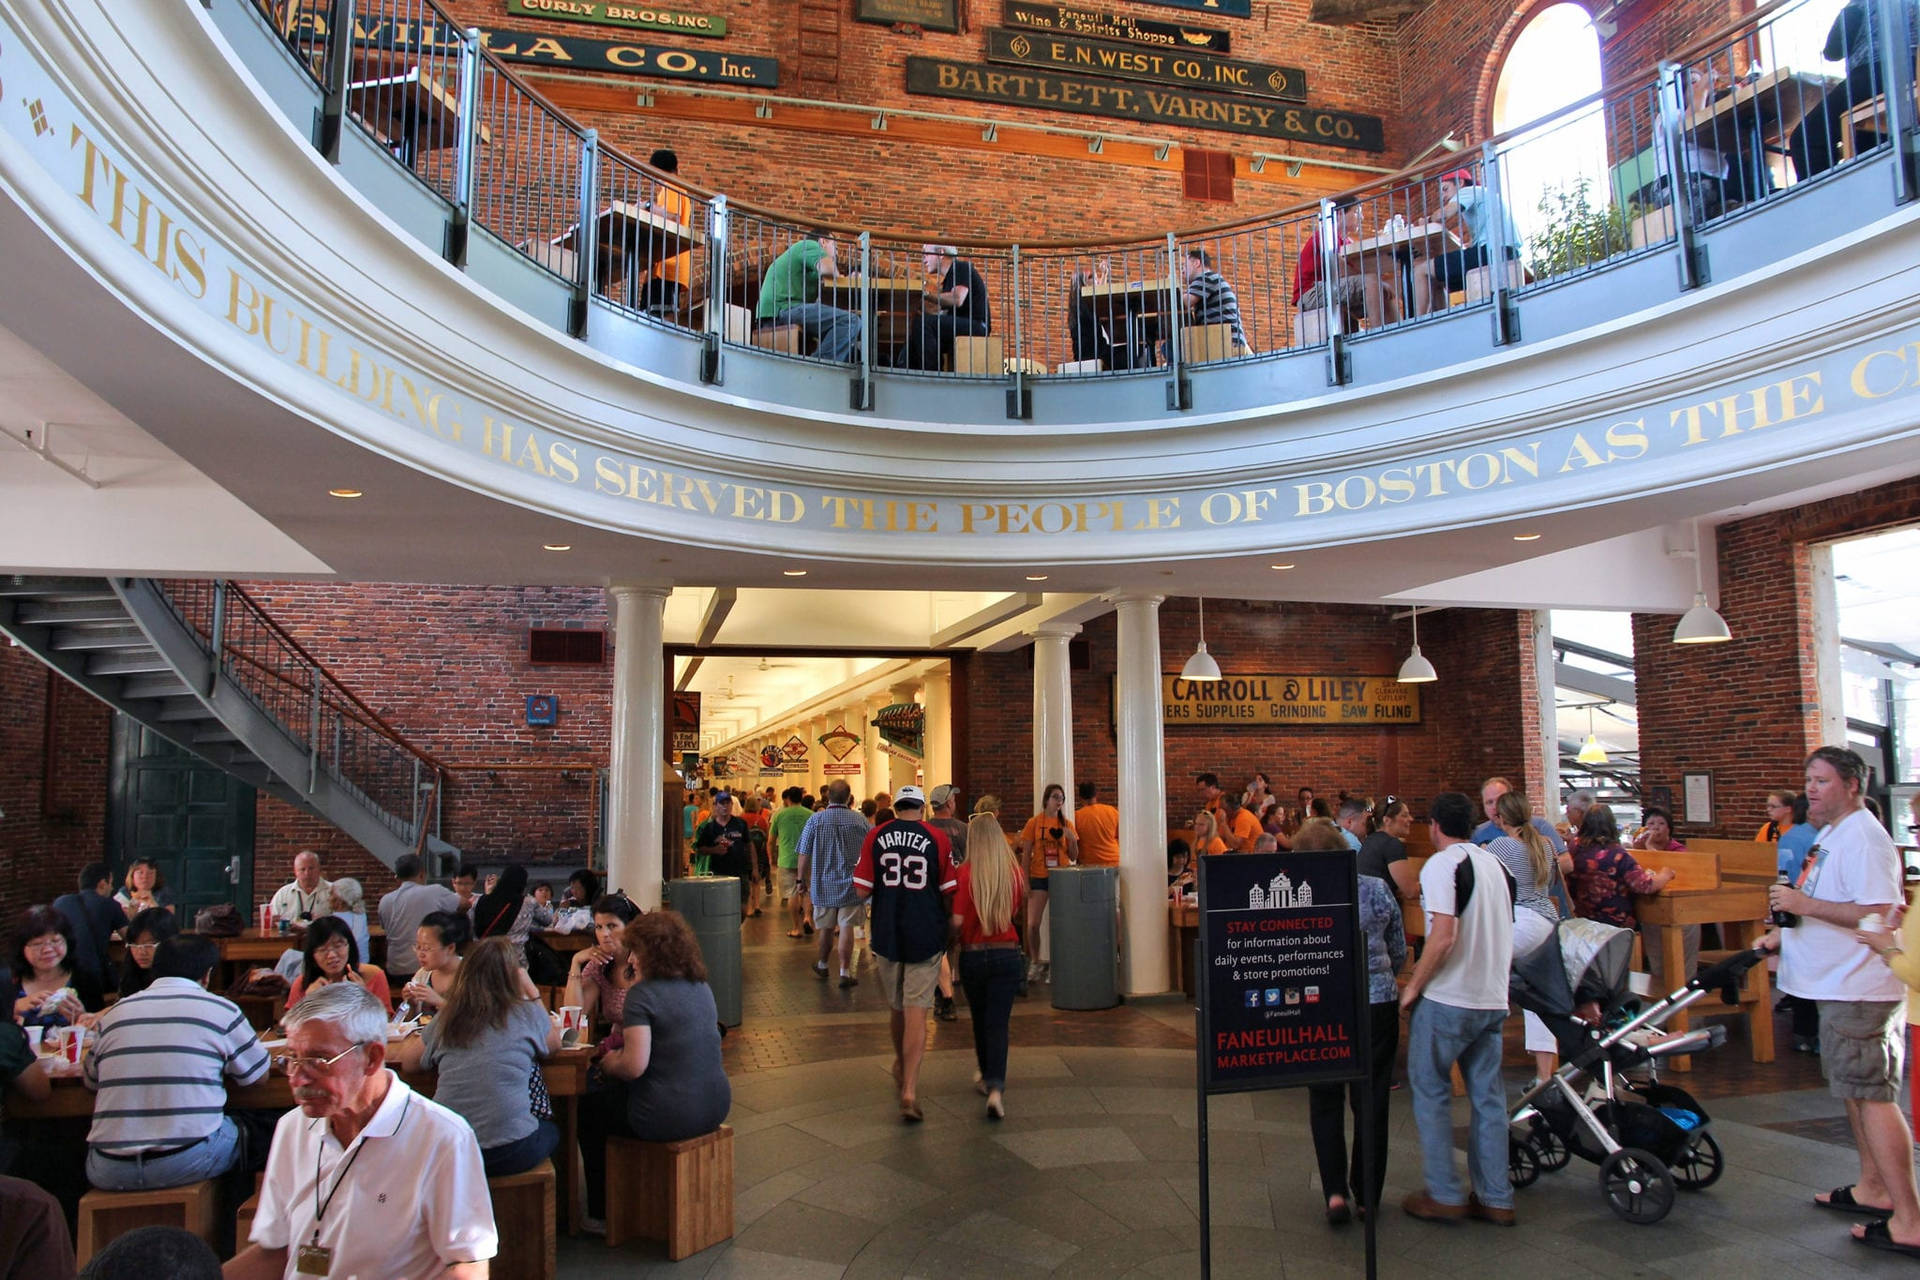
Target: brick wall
{"type": "Point", "coordinates": [52, 826]}
{"type": "Point", "coordinates": [1747, 712]}
{"type": "Point", "coordinates": [1481, 718]}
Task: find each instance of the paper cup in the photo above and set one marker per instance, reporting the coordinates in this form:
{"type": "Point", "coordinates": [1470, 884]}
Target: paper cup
{"type": "Point", "coordinates": [35, 1035]}
{"type": "Point", "coordinates": [1641, 984]}
{"type": "Point", "coordinates": [74, 1044]}
{"type": "Point", "coordinates": [569, 1023]}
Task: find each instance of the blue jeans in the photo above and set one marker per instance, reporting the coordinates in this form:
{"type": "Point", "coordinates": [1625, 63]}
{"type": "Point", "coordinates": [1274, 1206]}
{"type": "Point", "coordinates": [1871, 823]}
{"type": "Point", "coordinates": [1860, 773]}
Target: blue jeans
{"type": "Point", "coordinates": [990, 978]}
{"type": "Point", "coordinates": [521, 1154]}
{"type": "Point", "coordinates": [203, 1160]}
{"type": "Point", "coordinates": [1440, 1036]}
{"type": "Point", "coordinates": [836, 333]}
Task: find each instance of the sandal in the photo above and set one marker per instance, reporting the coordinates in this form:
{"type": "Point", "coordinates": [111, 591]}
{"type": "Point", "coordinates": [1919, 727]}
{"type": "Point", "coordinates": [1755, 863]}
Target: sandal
{"type": "Point", "coordinates": [1338, 1214]}
{"type": "Point", "coordinates": [1875, 1235]}
{"type": "Point", "coordinates": [795, 933]}
{"type": "Point", "coordinates": [910, 1112]}
{"type": "Point", "coordinates": [1841, 1200]}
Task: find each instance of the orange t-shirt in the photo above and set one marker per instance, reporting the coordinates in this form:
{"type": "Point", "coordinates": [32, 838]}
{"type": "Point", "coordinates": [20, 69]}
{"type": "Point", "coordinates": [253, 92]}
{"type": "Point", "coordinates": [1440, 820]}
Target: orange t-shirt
{"type": "Point", "coordinates": [1044, 852]}
{"type": "Point", "coordinates": [1215, 845]}
{"type": "Point", "coordinates": [1244, 828]}
{"type": "Point", "coordinates": [676, 205]}
{"type": "Point", "coordinates": [1098, 826]}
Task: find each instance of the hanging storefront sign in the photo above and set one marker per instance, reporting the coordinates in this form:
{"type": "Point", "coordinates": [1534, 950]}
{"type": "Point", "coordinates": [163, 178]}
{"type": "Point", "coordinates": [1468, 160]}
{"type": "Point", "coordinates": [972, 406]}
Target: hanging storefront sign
{"type": "Point", "coordinates": [1160, 66]}
{"type": "Point", "coordinates": [934, 15]}
{"type": "Point", "coordinates": [793, 755]}
{"type": "Point", "coordinates": [903, 729]}
{"type": "Point", "coordinates": [1268, 698]}
{"type": "Point", "coordinates": [839, 741]}
{"type": "Point", "coordinates": [684, 731]}
{"type": "Point", "coordinates": [771, 761]}
{"type": "Point", "coordinates": [1083, 95]}
{"type": "Point", "coordinates": [1225, 8]}
{"type": "Point", "coordinates": [612, 13]}
{"type": "Point", "coordinates": [1113, 26]}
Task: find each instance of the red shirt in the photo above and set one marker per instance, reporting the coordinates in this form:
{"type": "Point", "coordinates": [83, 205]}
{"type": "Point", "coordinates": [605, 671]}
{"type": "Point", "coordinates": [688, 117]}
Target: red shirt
{"type": "Point", "coordinates": [1307, 274]}
{"type": "Point", "coordinates": [970, 930]}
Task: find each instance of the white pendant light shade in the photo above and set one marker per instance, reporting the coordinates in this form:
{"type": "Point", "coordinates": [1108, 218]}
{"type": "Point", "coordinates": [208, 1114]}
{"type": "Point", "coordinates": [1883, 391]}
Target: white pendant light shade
{"type": "Point", "coordinates": [1700, 624]}
{"type": "Point", "coordinates": [1201, 667]}
{"type": "Point", "coordinates": [1416, 669]}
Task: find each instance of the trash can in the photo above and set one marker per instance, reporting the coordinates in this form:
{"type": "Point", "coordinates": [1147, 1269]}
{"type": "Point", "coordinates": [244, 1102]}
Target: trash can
{"type": "Point", "coordinates": [711, 905]}
{"type": "Point", "coordinates": [1080, 905]}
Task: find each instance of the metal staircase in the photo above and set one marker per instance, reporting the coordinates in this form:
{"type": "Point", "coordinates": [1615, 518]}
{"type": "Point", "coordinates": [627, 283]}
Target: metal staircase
{"type": "Point", "coordinates": [202, 665]}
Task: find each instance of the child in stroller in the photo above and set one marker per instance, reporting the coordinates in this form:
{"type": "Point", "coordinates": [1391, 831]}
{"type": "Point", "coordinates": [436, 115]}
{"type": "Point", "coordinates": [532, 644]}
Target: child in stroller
{"type": "Point", "coordinates": [1646, 1137]}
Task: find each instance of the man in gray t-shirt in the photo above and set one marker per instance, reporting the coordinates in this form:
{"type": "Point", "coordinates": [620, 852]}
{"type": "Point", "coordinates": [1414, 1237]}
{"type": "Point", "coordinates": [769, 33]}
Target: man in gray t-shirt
{"type": "Point", "coordinates": [402, 910]}
{"type": "Point", "coordinates": [829, 848]}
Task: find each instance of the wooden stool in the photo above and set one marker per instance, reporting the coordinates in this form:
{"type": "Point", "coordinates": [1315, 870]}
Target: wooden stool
{"type": "Point", "coordinates": [107, 1215]}
{"type": "Point", "coordinates": [788, 338]}
{"type": "Point", "coordinates": [523, 1217]}
{"type": "Point", "coordinates": [679, 1192]}
{"type": "Point", "coordinates": [1205, 343]}
{"type": "Point", "coordinates": [1078, 367]}
{"type": "Point", "coordinates": [979, 356]}
{"type": "Point", "coordinates": [243, 1216]}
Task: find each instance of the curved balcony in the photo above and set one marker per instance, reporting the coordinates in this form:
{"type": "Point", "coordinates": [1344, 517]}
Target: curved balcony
{"type": "Point", "coordinates": [397, 240]}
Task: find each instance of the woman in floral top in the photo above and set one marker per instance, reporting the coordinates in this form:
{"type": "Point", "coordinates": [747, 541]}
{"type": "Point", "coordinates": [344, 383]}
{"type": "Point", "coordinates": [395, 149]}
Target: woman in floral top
{"type": "Point", "coordinates": [1605, 876]}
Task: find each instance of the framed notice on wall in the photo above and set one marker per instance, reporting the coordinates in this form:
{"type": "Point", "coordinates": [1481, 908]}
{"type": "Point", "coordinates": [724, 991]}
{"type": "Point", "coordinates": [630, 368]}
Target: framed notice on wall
{"type": "Point", "coordinates": [1697, 789]}
{"type": "Point", "coordinates": [934, 15]}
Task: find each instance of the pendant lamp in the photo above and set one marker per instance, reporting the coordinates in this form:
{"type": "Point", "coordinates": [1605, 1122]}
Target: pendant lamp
{"type": "Point", "coordinates": [1201, 666]}
{"type": "Point", "coordinates": [1592, 752]}
{"type": "Point", "coordinates": [1700, 624]}
{"type": "Point", "coordinates": [1416, 669]}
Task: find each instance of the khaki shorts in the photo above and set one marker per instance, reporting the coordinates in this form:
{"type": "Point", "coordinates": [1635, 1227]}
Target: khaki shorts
{"type": "Point", "coordinates": [1861, 1049]}
{"type": "Point", "coordinates": [839, 917]}
{"type": "Point", "coordinates": [789, 881]}
{"type": "Point", "coordinates": [909, 984]}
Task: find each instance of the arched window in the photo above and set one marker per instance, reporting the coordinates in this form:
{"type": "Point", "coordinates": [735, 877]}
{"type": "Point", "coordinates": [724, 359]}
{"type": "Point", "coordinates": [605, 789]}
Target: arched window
{"type": "Point", "coordinates": [1553, 60]}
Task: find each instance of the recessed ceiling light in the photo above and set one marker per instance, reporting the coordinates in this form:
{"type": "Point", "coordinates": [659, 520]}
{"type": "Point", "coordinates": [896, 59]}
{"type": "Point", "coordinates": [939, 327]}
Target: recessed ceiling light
{"type": "Point", "coordinates": [1282, 566]}
{"type": "Point", "coordinates": [1526, 537]}
{"type": "Point", "coordinates": [793, 573]}
{"type": "Point", "coordinates": [557, 546]}
{"type": "Point", "coordinates": [1036, 577]}
{"type": "Point", "coordinates": [345, 493]}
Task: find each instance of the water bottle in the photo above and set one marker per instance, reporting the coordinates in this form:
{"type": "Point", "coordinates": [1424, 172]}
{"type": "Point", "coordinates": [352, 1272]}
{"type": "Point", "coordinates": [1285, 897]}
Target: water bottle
{"type": "Point", "coordinates": [1784, 919]}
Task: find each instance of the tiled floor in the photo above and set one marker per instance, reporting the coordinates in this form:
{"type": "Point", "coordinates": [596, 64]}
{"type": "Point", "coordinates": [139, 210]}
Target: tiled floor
{"type": "Point", "coordinates": [1094, 1173]}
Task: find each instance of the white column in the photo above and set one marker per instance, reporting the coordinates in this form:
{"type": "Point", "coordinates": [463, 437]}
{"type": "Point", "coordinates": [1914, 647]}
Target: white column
{"type": "Point", "coordinates": [873, 764]}
{"type": "Point", "coordinates": [938, 692]}
{"type": "Point", "coordinates": [636, 756]}
{"type": "Point", "coordinates": [816, 754]}
{"type": "Point", "coordinates": [1548, 801]}
{"type": "Point", "coordinates": [1141, 756]}
{"type": "Point", "coordinates": [1053, 713]}
{"type": "Point", "coordinates": [1824, 607]}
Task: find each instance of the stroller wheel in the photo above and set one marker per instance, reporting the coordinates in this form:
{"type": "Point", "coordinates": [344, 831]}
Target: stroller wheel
{"type": "Point", "coordinates": [1698, 1167]}
{"type": "Point", "coordinates": [1551, 1149]}
{"type": "Point", "coordinates": [1523, 1166]}
{"type": "Point", "coordinates": [1637, 1185]}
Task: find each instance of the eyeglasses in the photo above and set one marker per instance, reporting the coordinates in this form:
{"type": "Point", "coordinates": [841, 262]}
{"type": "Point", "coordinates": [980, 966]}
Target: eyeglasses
{"type": "Point", "coordinates": [143, 946]}
{"type": "Point", "coordinates": [287, 1062]}
{"type": "Point", "coordinates": [46, 944]}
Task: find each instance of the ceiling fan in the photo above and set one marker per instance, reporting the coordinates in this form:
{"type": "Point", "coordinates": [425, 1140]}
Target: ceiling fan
{"type": "Point", "coordinates": [766, 665]}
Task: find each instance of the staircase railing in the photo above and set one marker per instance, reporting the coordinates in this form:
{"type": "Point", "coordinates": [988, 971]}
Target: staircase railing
{"type": "Point", "coordinates": [345, 739]}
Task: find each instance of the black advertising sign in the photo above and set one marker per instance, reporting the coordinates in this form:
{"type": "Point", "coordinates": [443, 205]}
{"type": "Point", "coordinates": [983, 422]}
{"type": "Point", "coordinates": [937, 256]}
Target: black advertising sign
{"type": "Point", "coordinates": [1044, 90]}
{"type": "Point", "coordinates": [1283, 996]}
{"type": "Point", "coordinates": [1113, 26]}
{"type": "Point", "coordinates": [1225, 8]}
{"type": "Point", "coordinates": [934, 15]}
{"type": "Point", "coordinates": [612, 13]}
{"type": "Point", "coordinates": [1133, 62]}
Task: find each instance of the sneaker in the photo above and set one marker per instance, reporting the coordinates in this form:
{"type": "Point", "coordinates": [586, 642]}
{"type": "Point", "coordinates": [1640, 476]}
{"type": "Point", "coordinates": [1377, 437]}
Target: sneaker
{"type": "Point", "coordinates": [1046, 973]}
{"type": "Point", "coordinates": [848, 980]}
{"type": "Point", "coordinates": [821, 971]}
{"type": "Point", "coordinates": [1421, 1205]}
{"type": "Point", "coordinates": [943, 1008]}
{"type": "Point", "coordinates": [1805, 1044]}
{"type": "Point", "coordinates": [593, 1226]}
{"type": "Point", "coordinates": [1033, 971]}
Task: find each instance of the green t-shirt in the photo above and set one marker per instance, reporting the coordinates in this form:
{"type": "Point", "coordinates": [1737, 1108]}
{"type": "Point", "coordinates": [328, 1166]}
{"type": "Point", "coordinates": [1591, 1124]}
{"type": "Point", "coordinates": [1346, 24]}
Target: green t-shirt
{"type": "Point", "coordinates": [787, 826]}
{"type": "Point", "coordinates": [793, 278]}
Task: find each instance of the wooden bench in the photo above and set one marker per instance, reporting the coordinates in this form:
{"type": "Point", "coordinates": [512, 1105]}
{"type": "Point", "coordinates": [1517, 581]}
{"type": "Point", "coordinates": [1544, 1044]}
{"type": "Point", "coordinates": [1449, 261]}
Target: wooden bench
{"type": "Point", "coordinates": [1743, 860]}
{"type": "Point", "coordinates": [523, 1216]}
{"type": "Point", "coordinates": [107, 1215]}
{"type": "Point", "coordinates": [677, 1192]}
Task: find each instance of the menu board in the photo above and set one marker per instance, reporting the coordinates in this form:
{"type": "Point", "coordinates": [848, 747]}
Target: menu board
{"type": "Point", "coordinates": [1282, 977]}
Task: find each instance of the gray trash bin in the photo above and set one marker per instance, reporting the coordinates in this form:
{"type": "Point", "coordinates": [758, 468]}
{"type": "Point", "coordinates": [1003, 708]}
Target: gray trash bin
{"type": "Point", "coordinates": [1080, 906]}
{"type": "Point", "coordinates": [711, 905]}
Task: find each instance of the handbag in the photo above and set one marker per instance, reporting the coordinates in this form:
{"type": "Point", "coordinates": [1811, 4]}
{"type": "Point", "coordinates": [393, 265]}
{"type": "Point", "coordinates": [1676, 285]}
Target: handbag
{"type": "Point", "coordinates": [542, 1102]}
{"type": "Point", "coordinates": [221, 920]}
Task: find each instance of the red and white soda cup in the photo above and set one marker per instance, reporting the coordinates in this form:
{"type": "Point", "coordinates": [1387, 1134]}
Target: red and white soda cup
{"type": "Point", "coordinates": [266, 917]}
{"type": "Point", "coordinates": [569, 1021]}
{"type": "Point", "coordinates": [75, 1039]}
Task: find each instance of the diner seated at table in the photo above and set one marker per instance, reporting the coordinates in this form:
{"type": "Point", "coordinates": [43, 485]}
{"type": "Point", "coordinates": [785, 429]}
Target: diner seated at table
{"type": "Point", "coordinates": [160, 1066]}
{"type": "Point", "coordinates": [436, 943]}
{"type": "Point", "coordinates": [486, 1046]}
{"type": "Point", "coordinates": [145, 932]}
{"type": "Point", "coordinates": [308, 895]}
{"type": "Point", "coordinates": [1210, 300]}
{"type": "Point", "coordinates": [1488, 227]}
{"type": "Point", "coordinates": [667, 1083]}
{"type": "Point", "coordinates": [1358, 293]}
{"type": "Point", "coordinates": [957, 296]}
{"type": "Point", "coordinates": [332, 956]}
{"type": "Point", "coordinates": [1853, 40]}
{"type": "Point", "coordinates": [790, 295]}
{"type": "Point", "coordinates": [1098, 326]}
{"type": "Point", "coordinates": [50, 989]}
{"type": "Point", "coordinates": [95, 916]}
{"type": "Point", "coordinates": [600, 976]}
{"type": "Point", "coordinates": [1206, 834]}
{"type": "Point", "coordinates": [349, 903]}
{"type": "Point", "coordinates": [507, 910]}
{"type": "Point", "coordinates": [667, 279]}
{"type": "Point", "coordinates": [144, 887]}
{"type": "Point", "coordinates": [1179, 867]}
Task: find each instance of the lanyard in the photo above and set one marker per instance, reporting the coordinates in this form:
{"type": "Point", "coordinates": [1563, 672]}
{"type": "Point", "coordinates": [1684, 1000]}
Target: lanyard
{"type": "Point", "coordinates": [320, 1206]}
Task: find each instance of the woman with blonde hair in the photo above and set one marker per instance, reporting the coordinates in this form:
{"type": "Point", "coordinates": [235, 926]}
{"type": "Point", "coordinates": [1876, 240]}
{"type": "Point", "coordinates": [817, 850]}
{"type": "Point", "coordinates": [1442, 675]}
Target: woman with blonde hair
{"type": "Point", "coordinates": [1206, 834]}
{"type": "Point", "coordinates": [1530, 860]}
{"type": "Point", "coordinates": [986, 901]}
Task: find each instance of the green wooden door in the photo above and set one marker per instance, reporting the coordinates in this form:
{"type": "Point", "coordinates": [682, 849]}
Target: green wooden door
{"type": "Point", "coordinates": [189, 816]}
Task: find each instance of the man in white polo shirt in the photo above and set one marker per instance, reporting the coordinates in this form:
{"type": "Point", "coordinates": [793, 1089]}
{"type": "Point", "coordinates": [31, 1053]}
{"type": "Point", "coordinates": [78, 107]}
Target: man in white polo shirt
{"type": "Point", "coordinates": [415, 1207]}
{"type": "Point", "coordinates": [1458, 994]}
{"type": "Point", "coordinates": [307, 896]}
{"type": "Point", "coordinates": [1853, 871]}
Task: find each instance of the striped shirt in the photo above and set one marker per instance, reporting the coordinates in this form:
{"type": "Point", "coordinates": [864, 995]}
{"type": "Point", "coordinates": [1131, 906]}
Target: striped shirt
{"type": "Point", "coordinates": [158, 1065]}
{"type": "Point", "coordinates": [1216, 303]}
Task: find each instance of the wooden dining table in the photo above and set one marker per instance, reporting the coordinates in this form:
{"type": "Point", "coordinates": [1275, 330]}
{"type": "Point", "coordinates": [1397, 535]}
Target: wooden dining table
{"type": "Point", "coordinates": [565, 1073]}
{"type": "Point", "coordinates": [1140, 305]}
{"type": "Point", "coordinates": [1741, 125]}
{"type": "Point", "coordinates": [1738, 910]}
{"type": "Point", "coordinates": [629, 238]}
{"type": "Point", "coordinates": [889, 304]}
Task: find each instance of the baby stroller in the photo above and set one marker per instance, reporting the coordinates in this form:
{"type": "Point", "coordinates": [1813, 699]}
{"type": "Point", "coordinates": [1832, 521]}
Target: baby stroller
{"type": "Point", "coordinates": [1648, 1138]}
